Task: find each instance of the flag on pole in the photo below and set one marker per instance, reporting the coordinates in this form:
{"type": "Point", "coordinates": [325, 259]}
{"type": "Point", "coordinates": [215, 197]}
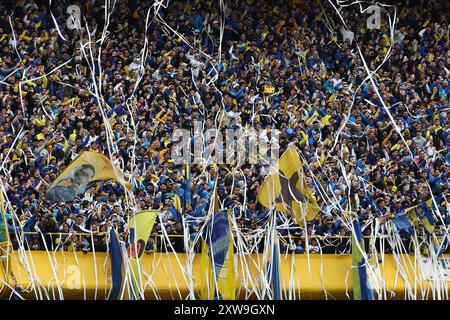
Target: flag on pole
{"type": "Point", "coordinates": [115, 252]}
{"type": "Point", "coordinates": [188, 193]}
{"type": "Point", "coordinates": [424, 216]}
{"type": "Point", "coordinates": [273, 268]}
{"type": "Point", "coordinates": [87, 170]}
{"type": "Point", "coordinates": [218, 277]}
{"type": "Point", "coordinates": [403, 221]}
{"type": "Point", "coordinates": [140, 225]}
{"type": "Point", "coordinates": [421, 214]}
{"type": "Point", "coordinates": [285, 188]}
{"type": "Point", "coordinates": [361, 290]}
{"type": "Point", "coordinates": [176, 208]}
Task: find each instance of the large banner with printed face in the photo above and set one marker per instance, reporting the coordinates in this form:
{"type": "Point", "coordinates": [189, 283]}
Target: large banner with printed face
{"type": "Point", "coordinates": [87, 170]}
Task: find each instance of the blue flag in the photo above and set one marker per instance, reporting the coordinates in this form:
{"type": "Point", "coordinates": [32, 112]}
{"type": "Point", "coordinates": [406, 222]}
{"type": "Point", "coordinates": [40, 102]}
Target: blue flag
{"type": "Point", "coordinates": [274, 270]}
{"type": "Point", "coordinates": [115, 251]}
{"type": "Point", "coordinates": [361, 290]}
{"type": "Point", "coordinates": [187, 194]}
{"type": "Point", "coordinates": [402, 221]}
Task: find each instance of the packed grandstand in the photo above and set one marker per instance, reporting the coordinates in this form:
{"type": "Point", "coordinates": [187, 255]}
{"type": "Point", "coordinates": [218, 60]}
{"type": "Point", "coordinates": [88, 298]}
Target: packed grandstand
{"type": "Point", "coordinates": [119, 85]}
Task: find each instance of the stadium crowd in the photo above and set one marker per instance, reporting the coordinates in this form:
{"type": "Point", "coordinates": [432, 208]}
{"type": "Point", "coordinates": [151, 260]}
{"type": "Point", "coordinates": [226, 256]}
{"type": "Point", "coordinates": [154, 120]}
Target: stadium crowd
{"type": "Point", "coordinates": [284, 67]}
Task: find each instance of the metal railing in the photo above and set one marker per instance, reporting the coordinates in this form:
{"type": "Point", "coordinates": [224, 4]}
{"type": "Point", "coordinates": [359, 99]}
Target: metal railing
{"type": "Point", "coordinates": [158, 244]}
{"type": "Point", "coordinates": [320, 237]}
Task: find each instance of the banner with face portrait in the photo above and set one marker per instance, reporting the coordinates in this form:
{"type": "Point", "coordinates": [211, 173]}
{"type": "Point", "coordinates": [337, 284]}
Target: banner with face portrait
{"type": "Point", "coordinates": [87, 170]}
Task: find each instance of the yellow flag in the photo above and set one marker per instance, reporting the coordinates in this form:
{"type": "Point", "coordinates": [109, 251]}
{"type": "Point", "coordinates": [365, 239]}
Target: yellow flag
{"type": "Point", "coordinates": [140, 225]}
{"type": "Point", "coordinates": [285, 188]}
{"type": "Point", "coordinates": [267, 89]}
{"type": "Point", "coordinates": [87, 170]}
{"type": "Point", "coordinates": [325, 120]}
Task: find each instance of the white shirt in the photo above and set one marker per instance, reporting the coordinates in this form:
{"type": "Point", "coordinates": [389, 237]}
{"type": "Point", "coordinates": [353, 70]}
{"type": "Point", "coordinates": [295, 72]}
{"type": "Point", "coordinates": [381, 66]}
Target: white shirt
{"type": "Point", "coordinates": [134, 66]}
{"type": "Point", "coordinates": [347, 34]}
{"type": "Point", "coordinates": [233, 115]}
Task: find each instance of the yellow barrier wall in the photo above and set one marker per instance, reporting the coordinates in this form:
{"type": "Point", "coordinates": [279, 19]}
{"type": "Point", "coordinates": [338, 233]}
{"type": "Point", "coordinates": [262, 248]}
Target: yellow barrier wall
{"type": "Point", "coordinates": [78, 273]}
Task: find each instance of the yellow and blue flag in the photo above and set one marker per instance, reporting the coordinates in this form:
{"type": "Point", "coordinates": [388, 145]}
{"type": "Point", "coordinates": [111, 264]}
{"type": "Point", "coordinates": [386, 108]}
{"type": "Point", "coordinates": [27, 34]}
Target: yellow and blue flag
{"type": "Point", "coordinates": [361, 290]}
{"type": "Point", "coordinates": [140, 225]}
{"type": "Point", "coordinates": [176, 209]}
{"type": "Point", "coordinates": [115, 252]}
{"type": "Point", "coordinates": [218, 277]}
{"type": "Point", "coordinates": [426, 217]}
{"type": "Point", "coordinates": [423, 215]}
{"type": "Point", "coordinates": [419, 215]}
{"type": "Point", "coordinates": [403, 222]}
{"type": "Point", "coordinates": [285, 188]}
{"type": "Point", "coordinates": [273, 267]}
{"type": "Point", "coordinates": [188, 193]}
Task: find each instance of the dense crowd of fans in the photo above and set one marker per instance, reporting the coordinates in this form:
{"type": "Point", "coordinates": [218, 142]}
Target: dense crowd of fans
{"type": "Point", "coordinates": [283, 67]}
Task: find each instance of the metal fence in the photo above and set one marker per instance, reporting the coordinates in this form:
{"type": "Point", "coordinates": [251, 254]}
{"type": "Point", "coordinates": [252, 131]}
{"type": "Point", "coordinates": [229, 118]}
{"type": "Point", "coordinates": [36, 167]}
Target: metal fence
{"type": "Point", "coordinates": [158, 243]}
